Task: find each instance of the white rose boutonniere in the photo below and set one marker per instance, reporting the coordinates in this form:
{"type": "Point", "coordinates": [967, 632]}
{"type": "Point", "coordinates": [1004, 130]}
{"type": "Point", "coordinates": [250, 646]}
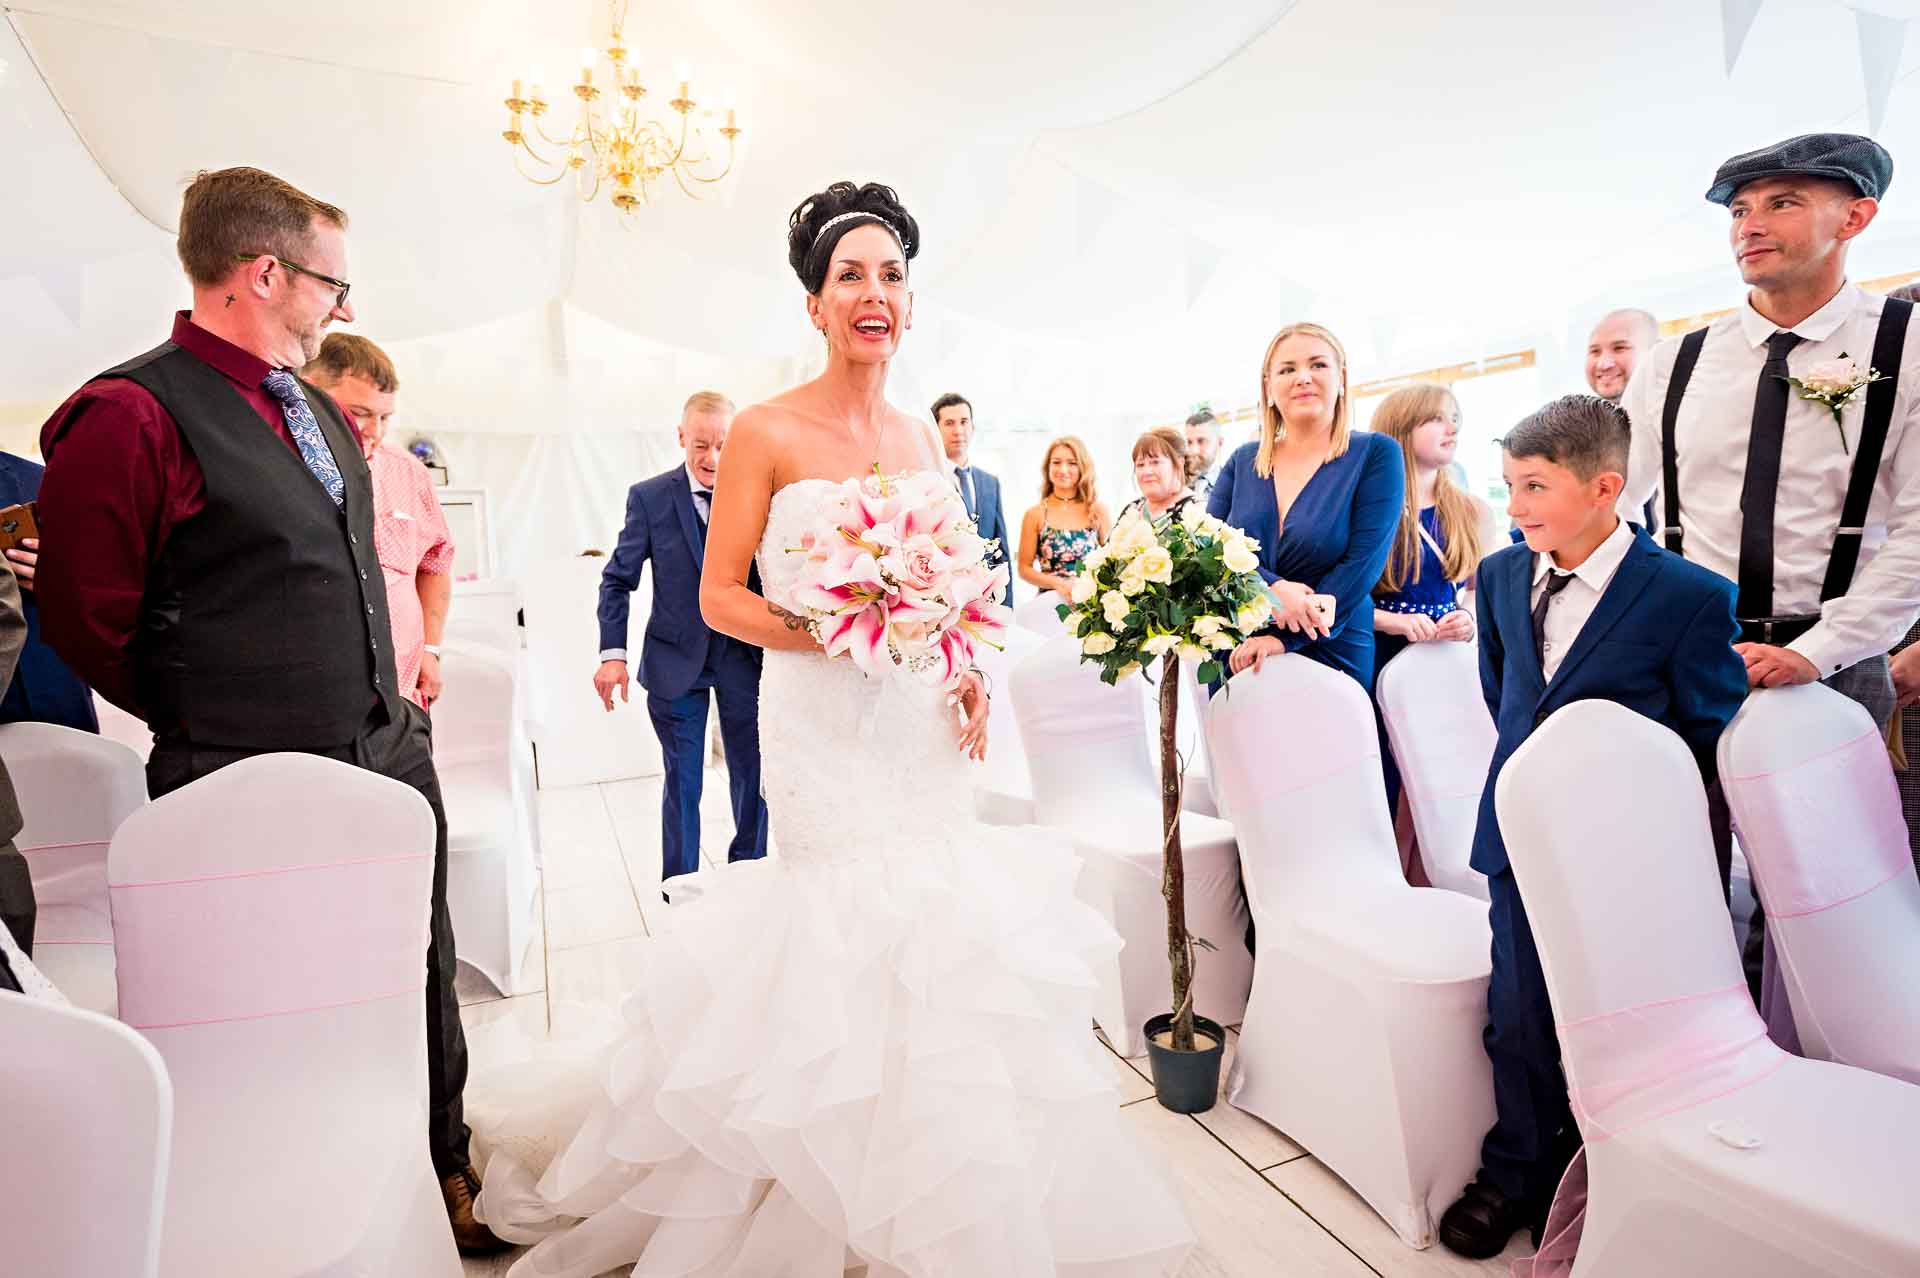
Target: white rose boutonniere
{"type": "Point", "coordinates": [1834, 383]}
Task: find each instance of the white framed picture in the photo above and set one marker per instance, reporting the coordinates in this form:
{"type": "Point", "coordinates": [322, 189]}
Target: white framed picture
{"type": "Point", "coordinates": [472, 532]}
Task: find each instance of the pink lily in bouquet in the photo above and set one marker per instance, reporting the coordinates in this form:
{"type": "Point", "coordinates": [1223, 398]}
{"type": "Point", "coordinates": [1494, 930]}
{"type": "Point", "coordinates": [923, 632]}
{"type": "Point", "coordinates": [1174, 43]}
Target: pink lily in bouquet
{"type": "Point", "coordinates": [896, 579]}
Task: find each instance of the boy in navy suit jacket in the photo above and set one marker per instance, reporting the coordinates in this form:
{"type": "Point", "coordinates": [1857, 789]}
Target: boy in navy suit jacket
{"type": "Point", "coordinates": [1589, 609]}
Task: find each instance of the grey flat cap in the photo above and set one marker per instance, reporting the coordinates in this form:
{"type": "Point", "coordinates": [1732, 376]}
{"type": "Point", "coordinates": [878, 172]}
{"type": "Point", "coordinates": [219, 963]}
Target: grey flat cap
{"type": "Point", "coordinates": [1845, 157]}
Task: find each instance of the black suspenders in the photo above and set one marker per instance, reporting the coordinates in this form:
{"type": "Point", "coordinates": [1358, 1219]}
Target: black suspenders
{"type": "Point", "coordinates": [1683, 362]}
{"type": "Point", "coordinates": [1888, 345]}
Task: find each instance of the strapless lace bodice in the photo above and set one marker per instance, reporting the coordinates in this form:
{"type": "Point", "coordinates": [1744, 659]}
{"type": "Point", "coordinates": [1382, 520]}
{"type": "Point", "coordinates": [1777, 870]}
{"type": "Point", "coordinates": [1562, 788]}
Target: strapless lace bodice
{"type": "Point", "coordinates": [841, 752]}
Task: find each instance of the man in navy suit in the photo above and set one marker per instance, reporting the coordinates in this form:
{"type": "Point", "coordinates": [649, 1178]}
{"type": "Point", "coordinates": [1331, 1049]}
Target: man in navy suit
{"type": "Point", "coordinates": [980, 490]}
{"type": "Point", "coordinates": [683, 664]}
{"type": "Point", "coordinates": [1588, 609]}
{"type": "Point", "coordinates": [43, 690]}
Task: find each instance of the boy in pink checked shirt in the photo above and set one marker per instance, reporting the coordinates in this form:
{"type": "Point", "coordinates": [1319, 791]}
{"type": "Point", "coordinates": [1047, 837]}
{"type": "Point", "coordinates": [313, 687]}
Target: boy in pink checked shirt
{"type": "Point", "coordinates": [409, 529]}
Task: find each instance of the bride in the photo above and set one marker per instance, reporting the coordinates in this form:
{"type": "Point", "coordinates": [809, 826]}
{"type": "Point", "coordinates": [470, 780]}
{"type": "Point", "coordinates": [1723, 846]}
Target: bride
{"type": "Point", "coordinates": [869, 1054]}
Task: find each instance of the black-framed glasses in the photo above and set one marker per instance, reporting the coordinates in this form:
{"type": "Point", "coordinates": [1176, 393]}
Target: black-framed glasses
{"type": "Point", "coordinates": [342, 285]}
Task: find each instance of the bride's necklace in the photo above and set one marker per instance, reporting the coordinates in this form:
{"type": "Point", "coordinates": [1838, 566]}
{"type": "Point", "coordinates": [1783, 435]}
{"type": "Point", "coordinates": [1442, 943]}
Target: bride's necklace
{"type": "Point", "coordinates": [879, 438]}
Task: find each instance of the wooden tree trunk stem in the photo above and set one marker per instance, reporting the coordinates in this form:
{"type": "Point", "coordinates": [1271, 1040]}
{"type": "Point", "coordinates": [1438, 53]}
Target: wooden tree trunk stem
{"type": "Point", "coordinates": [1174, 878]}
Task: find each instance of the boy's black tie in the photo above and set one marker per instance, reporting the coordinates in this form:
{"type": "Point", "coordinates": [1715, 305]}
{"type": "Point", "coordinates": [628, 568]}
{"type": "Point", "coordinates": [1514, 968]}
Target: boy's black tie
{"type": "Point", "coordinates": [1556, 582]}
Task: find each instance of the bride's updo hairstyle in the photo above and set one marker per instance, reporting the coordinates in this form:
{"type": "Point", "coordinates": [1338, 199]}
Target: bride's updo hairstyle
{"type": "Point", "coordinates": [822, 218]}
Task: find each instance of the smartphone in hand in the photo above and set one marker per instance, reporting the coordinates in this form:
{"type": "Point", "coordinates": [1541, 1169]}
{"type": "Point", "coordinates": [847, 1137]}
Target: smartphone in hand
{"type": "Point", "coordinates": [18, 524]}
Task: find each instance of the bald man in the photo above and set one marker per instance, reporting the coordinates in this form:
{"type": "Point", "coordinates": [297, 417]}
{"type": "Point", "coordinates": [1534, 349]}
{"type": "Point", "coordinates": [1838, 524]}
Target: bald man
{"type": "Point", "coordinates": [1615, 346]}
{"type": "Point", "coordinates": [1613, 349]}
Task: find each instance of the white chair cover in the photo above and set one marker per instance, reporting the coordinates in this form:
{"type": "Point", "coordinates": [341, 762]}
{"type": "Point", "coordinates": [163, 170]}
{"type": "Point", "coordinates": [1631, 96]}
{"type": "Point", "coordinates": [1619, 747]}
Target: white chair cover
{"type": "Point", "coordinates": [1362, 1037]}
{"type": "Point", "coordinates": [1807, 777]}
{"type": "Point", "coordinates": [485, 762]}
{"type": "Point", "coordinates": [486, 612]}
{"type": "Point", "coordinates": [1708, 1149]}
{"type": "Point", "coordinates": [1002, 789]}
{"type": "Point", "coordinates": [579, 742]}
{"type": "Point", "coordinates": [117, 725]}
{"type": "Point", "coordinates": [1041, 615]}
{"type": "Point", "coordinates": [1087, 753]}
{"type": "Point", "coordinates": [271, 921]}
{"type": "Point", "coordinates": [75, 789]}
{"type": "Point", "coordinates": [83, 1150]}
{"type": "Point", "coordinates": [1443, 738]}
{"type": "Point", "coordinates": [1190, 738]}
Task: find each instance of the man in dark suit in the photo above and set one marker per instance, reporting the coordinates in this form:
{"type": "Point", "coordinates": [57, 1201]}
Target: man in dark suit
{"type": "Point", "coordinates": [1589, 608]}
{"type": "Point", "coordinates": [980, 490]}
{"type": "Point", "coordinates": [43, 690]}
{"type": "Point", "coordinates": [683, 664]}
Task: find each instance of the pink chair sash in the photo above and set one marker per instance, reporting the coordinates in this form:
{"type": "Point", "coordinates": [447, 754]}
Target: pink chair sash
{"type": "Point", "coordinates": [1247, 767]}
{"type": "Point", "coordinates": [1829, 829]}
{"type": "Point", "coordinates": [70, 887]}
{"type": "Point", "coordinates": [271, 942]}
{"type": "Point", "coordinates": [1075, 722]}
{"type": "Point", "coordinates": [1642, 1063]}
{"type": "Point", "coordinates": [1444, 759]}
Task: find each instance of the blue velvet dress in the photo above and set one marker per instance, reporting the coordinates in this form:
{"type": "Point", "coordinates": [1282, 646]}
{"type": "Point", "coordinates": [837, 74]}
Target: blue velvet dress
{"type": "Point", "coordinates": [1335, 538]}
{"type": "Point", "coordinates": [1429, 593]}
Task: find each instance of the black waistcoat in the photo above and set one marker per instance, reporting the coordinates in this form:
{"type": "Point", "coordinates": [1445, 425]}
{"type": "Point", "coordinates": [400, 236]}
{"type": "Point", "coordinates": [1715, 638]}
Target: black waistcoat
{"type": "Point", "coordinates": [264, 624]}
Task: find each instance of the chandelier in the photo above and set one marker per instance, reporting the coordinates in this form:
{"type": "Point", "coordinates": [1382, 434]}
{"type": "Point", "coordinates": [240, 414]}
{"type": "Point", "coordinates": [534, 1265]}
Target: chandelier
{"type": "Point", "coordinates": [618, 144]}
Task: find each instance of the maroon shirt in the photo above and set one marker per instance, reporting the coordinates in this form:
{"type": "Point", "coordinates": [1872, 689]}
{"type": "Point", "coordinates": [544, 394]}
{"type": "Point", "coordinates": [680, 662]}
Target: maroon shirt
{"type": "Point", "coordinates": [119, 480]}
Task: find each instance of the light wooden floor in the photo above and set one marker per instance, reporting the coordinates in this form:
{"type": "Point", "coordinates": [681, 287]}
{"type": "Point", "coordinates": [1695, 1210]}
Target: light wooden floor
{"type": "Point", "coordinates": [1262, 1206]}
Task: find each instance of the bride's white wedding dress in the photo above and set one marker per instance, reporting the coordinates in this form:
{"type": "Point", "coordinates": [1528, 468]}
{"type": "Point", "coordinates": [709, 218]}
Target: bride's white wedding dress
{"type": "Point", "coordinates": [869, 1054]}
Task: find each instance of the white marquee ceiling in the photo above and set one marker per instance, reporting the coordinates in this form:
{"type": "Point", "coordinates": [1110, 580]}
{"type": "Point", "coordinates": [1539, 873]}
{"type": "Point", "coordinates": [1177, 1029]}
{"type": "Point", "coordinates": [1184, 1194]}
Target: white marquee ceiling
{"type": "Point", "coordinates": [1121, 185]}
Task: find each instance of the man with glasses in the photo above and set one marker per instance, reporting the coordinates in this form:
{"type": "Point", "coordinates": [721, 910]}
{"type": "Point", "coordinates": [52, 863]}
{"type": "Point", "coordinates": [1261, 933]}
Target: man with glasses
{"type": "Point", "coordinates": [209, 562]}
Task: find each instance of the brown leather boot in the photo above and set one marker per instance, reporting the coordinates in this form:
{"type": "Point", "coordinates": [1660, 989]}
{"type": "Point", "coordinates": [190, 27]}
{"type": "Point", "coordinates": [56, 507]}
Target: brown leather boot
{"type": "Point", "coordinates": [469, 1235]}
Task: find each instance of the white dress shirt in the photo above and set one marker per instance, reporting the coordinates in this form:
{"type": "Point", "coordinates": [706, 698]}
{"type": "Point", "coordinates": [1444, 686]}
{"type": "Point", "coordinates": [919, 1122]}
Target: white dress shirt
{"type": "Point", "coordinates": [695, 486]}
{"type": "Point", "coordinates": [1711, 432]}
{"type": "Point", "coordinates": [964, 484]}
{"type": "Point", "coordinates": [1570, 608]}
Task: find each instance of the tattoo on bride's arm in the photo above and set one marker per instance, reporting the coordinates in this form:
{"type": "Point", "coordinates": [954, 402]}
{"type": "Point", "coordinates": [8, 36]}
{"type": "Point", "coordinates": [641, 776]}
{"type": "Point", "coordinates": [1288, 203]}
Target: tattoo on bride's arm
{"type": "Point", "coordinates": [792, 621]}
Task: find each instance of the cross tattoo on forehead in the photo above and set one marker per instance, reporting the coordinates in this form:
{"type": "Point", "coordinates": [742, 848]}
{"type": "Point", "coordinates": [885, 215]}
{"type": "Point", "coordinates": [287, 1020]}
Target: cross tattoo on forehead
{"type": "Point", "coordinates": [229, 299]}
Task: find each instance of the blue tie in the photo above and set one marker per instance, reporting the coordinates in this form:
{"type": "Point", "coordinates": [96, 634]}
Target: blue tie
{"type": "Point", "coordinates": [284, 387]}
{"type": "Point", "coordinates": [965, 475]}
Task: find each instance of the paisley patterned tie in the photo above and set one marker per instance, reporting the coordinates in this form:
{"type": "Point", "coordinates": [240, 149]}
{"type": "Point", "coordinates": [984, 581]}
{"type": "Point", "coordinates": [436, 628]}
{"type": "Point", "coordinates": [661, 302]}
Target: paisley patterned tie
{"type": "Point", "coordinates": [284, 387]}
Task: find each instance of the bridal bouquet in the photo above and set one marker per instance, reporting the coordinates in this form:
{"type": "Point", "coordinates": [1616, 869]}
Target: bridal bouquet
{"type": "Point", "coordinates": [1185, 586]}
{"type": "Point", "coordinates": [897, 579]}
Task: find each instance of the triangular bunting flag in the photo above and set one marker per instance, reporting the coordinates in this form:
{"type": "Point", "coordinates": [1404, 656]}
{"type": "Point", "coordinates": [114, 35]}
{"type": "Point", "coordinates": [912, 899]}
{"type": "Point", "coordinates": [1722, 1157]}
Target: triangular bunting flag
{"type": "Point", "coordinates": [1203, 263]}
{"type": "Point", "coordinates": [65, 286]}
{"type": "Point", "coordinates": [1736, 19]}
{"type": "Point", "coordinates": [1093, 206]}
{"type": "Point", "coordinates": [1880, 43]}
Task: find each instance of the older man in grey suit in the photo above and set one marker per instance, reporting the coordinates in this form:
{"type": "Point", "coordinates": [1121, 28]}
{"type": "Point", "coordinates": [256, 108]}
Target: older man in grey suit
{"type": "Point", "coordinates": [16, 888]}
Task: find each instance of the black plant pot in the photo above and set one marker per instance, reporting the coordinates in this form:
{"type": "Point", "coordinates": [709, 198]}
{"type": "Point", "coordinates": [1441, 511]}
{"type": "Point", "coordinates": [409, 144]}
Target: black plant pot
{"type": "Point", "coordinates": [1186, 1082]}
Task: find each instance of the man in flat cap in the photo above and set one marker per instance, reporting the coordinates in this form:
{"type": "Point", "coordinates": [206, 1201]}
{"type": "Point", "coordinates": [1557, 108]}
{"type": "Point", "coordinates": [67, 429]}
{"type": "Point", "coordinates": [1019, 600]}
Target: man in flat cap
{"type": "Point", "coordinates": [1776, 465]}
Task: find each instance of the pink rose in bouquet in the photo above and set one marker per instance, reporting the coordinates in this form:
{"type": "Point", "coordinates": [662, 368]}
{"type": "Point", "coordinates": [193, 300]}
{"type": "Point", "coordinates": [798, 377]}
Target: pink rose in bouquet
{"type": "Point", "coordinates": [896, 579]}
